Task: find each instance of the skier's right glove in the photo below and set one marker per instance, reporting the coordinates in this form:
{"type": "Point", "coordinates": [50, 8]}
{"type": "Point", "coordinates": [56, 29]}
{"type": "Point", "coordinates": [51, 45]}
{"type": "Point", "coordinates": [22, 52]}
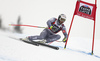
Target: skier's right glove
{"type": "Point", "coordinates": [51, 27]}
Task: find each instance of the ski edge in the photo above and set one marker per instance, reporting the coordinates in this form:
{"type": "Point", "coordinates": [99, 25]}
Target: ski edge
{"type": "Point", "coordinates": [50, 46]}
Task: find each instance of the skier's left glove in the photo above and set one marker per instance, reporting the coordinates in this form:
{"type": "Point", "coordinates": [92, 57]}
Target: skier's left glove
{"type": "Point", "coordinates": [64, 40]}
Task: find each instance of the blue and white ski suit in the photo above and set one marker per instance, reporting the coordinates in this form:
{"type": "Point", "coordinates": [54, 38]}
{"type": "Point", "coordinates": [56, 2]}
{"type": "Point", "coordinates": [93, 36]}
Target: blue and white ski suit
{"type": "Point", "coordinates": [51, 35]}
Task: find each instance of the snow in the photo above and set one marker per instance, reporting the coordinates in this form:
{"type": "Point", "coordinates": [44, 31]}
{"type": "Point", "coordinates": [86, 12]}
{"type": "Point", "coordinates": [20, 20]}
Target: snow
{"type": "Point", "coordinates": [15, 50]}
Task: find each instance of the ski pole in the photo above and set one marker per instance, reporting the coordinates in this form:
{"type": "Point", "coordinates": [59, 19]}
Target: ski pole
{"type": "Point", "coordinates": [56, 41]}
{"type": "Point", "coordinates": [26, 25]}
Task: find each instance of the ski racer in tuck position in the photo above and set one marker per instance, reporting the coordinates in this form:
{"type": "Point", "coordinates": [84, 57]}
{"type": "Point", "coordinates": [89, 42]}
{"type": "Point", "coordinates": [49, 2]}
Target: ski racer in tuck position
{"type": "Point", "coordinates": [50, 34]}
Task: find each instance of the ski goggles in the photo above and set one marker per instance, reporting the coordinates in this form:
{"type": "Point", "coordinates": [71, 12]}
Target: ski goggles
{"type": "Point", "coordinates": [62, 20]}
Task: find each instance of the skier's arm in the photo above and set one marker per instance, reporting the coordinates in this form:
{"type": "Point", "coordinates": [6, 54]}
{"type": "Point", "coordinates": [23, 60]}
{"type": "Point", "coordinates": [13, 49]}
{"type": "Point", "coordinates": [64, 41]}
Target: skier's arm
{"type": "Point", "coordinates": [50, 21]}
{"type": "Point", "coordinates": [65, 33]}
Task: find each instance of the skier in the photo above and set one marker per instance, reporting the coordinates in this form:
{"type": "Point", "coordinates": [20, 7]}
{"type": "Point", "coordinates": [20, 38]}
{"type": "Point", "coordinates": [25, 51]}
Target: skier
{"type": "Point", "coordinates": [50, 34]}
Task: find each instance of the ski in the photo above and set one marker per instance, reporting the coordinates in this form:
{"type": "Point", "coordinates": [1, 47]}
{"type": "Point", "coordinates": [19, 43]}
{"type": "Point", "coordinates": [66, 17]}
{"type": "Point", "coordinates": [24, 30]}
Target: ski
{"type": "Point", "coordinates": [37, 43]}
{"type": "Point", "coordinates": [44, 44]}
{"type": "Point", "coordinates": [29, 42]}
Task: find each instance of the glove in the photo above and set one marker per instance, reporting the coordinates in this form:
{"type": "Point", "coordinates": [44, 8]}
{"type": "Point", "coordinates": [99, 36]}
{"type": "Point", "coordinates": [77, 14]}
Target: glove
{"type": "Point", "coordinates": [54, 28]}
{"type": "Point", "coordinates": [51, 27]}
{"type": "Point", "coordinates": [64, 40]}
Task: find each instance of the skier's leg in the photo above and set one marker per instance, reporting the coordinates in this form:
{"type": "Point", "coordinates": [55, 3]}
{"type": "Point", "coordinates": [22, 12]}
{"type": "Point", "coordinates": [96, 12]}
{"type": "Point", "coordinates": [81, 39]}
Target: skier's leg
{"type": "Point", "coordinates": [40, 37]}
{"type": "Point", "coordinates": [52, 38]}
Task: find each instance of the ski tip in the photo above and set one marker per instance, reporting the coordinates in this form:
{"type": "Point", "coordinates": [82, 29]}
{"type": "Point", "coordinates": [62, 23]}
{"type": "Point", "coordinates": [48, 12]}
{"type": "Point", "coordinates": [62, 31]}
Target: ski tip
{"type": "Point", "coordinates": [20, 38]}
{"type": "Point", "coordinates": [57, 48]}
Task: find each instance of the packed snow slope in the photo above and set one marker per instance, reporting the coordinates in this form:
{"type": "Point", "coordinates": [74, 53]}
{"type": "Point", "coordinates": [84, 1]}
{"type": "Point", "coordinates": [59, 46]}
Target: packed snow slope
{"type": "Point", "coordinates": [78, 49]}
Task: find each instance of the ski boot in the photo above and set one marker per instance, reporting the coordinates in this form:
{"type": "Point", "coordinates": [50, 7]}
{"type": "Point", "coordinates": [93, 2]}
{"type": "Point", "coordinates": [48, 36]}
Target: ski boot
{"type": "Point", "coordinates": [43, 41]}
{"type": "Point", "coordinates": [26, 39]}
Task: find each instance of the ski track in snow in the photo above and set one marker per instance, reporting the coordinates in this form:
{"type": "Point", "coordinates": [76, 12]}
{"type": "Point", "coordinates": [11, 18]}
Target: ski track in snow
{"type": "Point", "coordinates": [4, 58]}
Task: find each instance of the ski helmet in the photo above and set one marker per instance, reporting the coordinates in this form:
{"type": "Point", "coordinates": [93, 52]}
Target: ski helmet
{"type": "Point", "coordinates": [62, 18]}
